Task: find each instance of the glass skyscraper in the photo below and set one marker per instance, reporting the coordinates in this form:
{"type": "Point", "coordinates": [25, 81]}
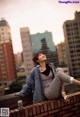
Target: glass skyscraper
{"type": "Point", "coordinates": [44, 42]}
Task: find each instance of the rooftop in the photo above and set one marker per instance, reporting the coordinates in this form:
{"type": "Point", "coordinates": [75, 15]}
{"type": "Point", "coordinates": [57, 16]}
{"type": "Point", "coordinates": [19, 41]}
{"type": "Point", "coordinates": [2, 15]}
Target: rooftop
{"type": "Point", "coordinates": [3, 22]}
{"type": "Point", "coordinates": [49, 108]}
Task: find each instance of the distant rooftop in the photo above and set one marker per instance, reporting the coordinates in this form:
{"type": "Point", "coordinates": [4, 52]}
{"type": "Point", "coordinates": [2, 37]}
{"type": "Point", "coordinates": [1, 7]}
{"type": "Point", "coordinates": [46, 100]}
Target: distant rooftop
{"type": "Point", "coordinates": [77, 15]}
{"type": "Point", "coordinates": [3, 22]}
{"type": "Point", "coordinates": [76, 18]}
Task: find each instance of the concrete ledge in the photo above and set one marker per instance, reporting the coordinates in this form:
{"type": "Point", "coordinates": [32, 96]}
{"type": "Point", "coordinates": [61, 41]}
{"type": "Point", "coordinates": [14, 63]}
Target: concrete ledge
{"type": "Point", "coordinates": [11, 101]}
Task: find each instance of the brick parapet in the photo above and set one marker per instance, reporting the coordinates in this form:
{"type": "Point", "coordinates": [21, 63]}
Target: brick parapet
{"type": "Point", "coordinates": [51, 108]}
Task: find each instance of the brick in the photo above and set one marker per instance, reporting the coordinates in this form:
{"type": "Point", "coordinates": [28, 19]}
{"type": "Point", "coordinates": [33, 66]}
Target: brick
{"type": "Point", "coordinates": [79, 107]}
{"type": "Point", "coordinates": [77, 98]}
{"type": "Point", "coordinates": [77, 104]}
{"type": "Point", "coordinates": [38, 109]}
{"type": "Point", "coordinates": [71, 100]}
{"type": "Point", "coordinates": [41, 103]}
{"type": "Point", "coordinates": [74, 108]}
{"type": "Point", "coordinates": [37, 115]}
{"type": "Point", "coordinates": [30, 111]}
{"type": "Point", "coordinates": [54, 111]}
{"type": "Point", "coordinates": [26, 113]}
{"type": "Point", "coordinates": [78, 111]}
{"type": "Point", "coordinates": [68, 115]}
{"type": "Point", "coordinates": [45, 107]}
{"type": "Point", "coordinates": [49, 105]}
{"type": "Point", "coordinates": [55, 104]}
{"type": "Point", "coordinates": [34, 110]}
{"type": "Point", "coordinates": [52, 115]}
{"type": "Point", "coordinates": [67, 107]}
{"type": "Point", "coordinates": [44, 114]}
{"type": "Point", "coordinates": [59, 103]}
{"type": "Point", "coordinates": [42, 108]}
{"type": "Point", "coordinates": [78, 115]}
{"type": "Point", "coordinates": [13, 114]}
{"type": "Point", "coordinates": [63, 112]}
{"type": "Point", "coordinates": [22, 113]}
{"type": "Point", "coordinates": [18, 114]}
{"type": "Point", "coordinates": [16, 110]}
{"type": "Point", "coordinates": [74, 99]}
{"type": "Point", "coordinates": [52, 105]}
{"type": "Point", "coordinates": [62, 103]}
{"type": "Point", "coordinates": [75, 116]}
{"type": "Point", "coordinates": [66, 103]}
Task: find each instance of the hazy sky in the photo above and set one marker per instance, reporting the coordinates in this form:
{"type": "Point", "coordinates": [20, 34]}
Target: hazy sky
{"type": "Point", "coordinates": [38, 15]}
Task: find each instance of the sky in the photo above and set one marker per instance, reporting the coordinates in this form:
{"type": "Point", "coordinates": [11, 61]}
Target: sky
{"type": "Point", "coordinates": [39, 16]}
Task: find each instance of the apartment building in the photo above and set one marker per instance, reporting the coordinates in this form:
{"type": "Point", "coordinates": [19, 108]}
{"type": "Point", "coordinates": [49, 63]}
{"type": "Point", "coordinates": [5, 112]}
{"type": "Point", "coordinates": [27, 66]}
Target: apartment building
{"type": "Point", "coordinates": [71, 30]}
{"type": "Point", "coordinates": [7, 63]}
{"type": "Point", "coordinates": [61, 50]}
{"type": "Point", "coordinates": [27, 49]}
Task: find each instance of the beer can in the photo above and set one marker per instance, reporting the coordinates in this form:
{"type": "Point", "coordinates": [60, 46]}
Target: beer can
{"type": "Point", "coordinates": [20, 104]}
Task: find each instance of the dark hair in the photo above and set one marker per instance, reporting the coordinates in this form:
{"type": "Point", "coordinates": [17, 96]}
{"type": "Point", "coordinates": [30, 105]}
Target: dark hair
{"type": "Point", "coordinates": [35, 57]}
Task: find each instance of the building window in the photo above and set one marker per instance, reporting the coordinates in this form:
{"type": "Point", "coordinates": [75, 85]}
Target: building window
{"type": "Point", "coordinates": [75, 24]}
{"type": "Point", "coordinates": [67, 25]}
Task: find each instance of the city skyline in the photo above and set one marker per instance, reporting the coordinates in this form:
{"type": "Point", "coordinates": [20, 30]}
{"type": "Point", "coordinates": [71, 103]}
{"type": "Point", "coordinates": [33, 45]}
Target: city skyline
{"type": "Point", "coordinates": [39, 16]}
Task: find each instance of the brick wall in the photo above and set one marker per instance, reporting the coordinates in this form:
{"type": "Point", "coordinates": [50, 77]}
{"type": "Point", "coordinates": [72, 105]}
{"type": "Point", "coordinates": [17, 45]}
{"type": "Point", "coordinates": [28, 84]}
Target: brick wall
{"type": "Point", "coordinates": [51, 108]}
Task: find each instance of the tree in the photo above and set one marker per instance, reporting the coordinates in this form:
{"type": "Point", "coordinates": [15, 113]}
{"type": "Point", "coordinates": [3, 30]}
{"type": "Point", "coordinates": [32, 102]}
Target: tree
{"type": "Point", "coordinates": [15, 87]}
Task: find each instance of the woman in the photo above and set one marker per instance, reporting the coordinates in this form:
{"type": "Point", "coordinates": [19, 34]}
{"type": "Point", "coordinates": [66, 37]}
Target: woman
{"type": "Point", "coordinates": [45, 82]}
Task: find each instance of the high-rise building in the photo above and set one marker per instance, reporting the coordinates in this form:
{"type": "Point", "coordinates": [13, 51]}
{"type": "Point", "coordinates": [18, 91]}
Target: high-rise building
{"type": "Point", "coordinates": [7, 63]}
{"type": "Point", "coordinates": [44, 42]}
{"type": "Point", "coordinates": [72, 39]}
{"type": "Point", "coordinates": [61, 49]}
{"type": "Point", "coordinates": [27, 49]}
{"type": "Point", "coordinates": [18, 59]}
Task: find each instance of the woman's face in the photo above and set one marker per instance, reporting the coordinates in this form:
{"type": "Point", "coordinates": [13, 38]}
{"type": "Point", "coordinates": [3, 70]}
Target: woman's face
{"type": "Point", "coordinates": [41, 57]}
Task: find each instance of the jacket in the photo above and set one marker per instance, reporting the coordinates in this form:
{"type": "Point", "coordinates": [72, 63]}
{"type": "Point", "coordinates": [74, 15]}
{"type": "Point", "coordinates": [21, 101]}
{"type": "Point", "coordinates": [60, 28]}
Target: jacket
{"type": "Point", "coordinates": [34, 84]}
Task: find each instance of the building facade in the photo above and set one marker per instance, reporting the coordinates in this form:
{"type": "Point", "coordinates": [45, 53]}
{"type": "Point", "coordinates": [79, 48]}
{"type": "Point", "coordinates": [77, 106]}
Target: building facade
{"type": "Point", "coordinates": [18, 59]}
{"type": "Point", "coordinates": [44, 42]}
{"type": "Point", "coordinates": [72, 39]}
{"type": "Point", "coordinates": [27, 49]}
{"type": "Point", "coordinates": [61, 50]}
{"type": "Point", "coordinates": [7, 62]}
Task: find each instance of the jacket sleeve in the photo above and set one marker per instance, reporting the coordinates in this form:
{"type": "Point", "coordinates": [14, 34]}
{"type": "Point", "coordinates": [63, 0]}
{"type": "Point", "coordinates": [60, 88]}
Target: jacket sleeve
{"type": "Point", "coordinates": [53, 68]}
{"type": "Point", "coordinates": [28, 87]}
